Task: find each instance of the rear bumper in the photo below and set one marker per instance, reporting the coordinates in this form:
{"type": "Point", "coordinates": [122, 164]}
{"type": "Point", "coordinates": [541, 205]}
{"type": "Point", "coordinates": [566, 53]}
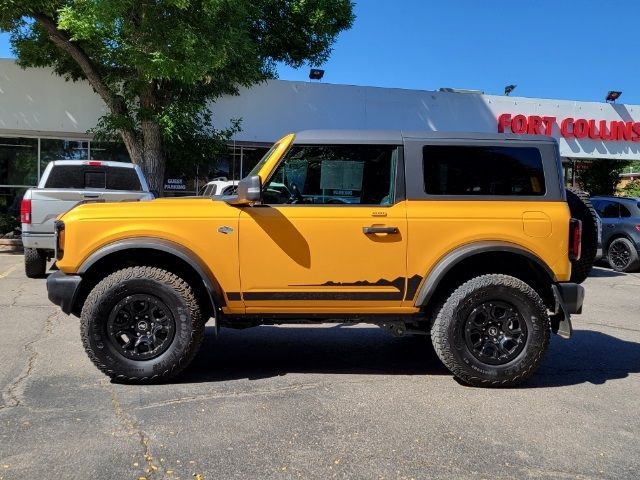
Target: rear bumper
{"type": "Point", "coordinates": [62, 289]}
{"type": "Point", "coordinates": [44, 241]}
{"type": "Point", "coordinates": [572, 296]}
{"type": "Point", "coordinates": [569, 298]}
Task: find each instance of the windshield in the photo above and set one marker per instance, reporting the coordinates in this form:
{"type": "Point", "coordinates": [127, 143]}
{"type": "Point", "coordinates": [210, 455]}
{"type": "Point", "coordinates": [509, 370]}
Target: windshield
{"type": "Point", "coordinates": [263, 160]}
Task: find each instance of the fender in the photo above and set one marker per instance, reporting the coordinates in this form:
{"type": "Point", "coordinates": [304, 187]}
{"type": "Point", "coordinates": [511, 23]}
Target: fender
{"type": "Point", "coordinates": [209, 280]}
{"type": "Point", "coordinates": [451, 259]}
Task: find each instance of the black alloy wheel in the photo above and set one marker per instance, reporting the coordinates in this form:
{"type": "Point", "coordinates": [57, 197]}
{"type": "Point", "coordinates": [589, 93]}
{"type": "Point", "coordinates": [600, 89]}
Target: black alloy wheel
{"type": "Point", "coordinates": [492, 331]}
{"type": "Point", "coordinates": [140, 327]}
{"type": "Point", "coordinates": [495, 332]}
{"type": "Point", "coordinates": [142, 324]}
{"type": "Point", "coordinates": [622, 255]}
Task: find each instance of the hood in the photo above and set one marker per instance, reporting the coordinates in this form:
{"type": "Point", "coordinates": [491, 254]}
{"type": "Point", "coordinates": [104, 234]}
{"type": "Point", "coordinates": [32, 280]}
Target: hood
{"type": "Point", "coordinates": [178, 207]}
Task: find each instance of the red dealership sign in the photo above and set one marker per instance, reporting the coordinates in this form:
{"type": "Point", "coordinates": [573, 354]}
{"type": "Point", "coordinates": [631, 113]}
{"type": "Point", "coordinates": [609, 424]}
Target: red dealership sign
{"type": "Point", "coordinates": [608, 130]}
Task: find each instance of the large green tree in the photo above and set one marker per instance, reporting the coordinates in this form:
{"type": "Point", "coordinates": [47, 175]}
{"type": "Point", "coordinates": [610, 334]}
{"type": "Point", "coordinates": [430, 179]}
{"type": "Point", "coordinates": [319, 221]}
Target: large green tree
{"type": "Point", "coordinates": [157, 63]}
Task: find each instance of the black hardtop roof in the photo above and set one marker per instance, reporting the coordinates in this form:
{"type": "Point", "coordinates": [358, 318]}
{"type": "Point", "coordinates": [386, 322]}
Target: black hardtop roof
{"type": "Point", "coordinates": [398, 136]}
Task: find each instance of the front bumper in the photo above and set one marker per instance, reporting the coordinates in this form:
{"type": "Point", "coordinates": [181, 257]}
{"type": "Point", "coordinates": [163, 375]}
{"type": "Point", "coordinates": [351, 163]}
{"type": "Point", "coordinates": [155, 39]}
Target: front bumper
{"type": "Point", "coordinates": [62, 290]}
{"type": "Point", "coordinates": [569, 298]}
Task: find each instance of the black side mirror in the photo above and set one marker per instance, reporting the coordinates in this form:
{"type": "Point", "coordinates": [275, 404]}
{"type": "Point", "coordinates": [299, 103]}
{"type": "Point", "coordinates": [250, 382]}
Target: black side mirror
{"type": "Point", "coordinates": [249, 191]}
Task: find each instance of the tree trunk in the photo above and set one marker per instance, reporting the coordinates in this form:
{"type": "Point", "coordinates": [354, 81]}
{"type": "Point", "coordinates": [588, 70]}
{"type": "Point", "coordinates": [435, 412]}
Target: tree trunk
{"type": "Point", "coordinates": [152, 156]}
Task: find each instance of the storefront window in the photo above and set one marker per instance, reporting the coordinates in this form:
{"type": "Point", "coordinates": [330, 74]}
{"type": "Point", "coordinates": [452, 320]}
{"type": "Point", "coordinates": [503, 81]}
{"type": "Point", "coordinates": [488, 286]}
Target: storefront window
{"type": "Point", "coordinates": [18, 161]}
{"type": "Point", "coordinates": [109, 151]}
{"type": "Point", "coordinates": [58, 149]}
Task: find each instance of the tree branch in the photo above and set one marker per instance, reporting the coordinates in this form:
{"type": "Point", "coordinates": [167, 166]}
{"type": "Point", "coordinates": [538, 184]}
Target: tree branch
{"type": "Point", "coordinates": [115, 103]}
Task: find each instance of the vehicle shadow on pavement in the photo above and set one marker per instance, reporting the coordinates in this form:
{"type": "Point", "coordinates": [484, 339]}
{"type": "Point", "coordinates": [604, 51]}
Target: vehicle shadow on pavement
{"type": "Point", "coordinates": [267, 351]}
{"type": "Point", "coordinates": [588, 357]}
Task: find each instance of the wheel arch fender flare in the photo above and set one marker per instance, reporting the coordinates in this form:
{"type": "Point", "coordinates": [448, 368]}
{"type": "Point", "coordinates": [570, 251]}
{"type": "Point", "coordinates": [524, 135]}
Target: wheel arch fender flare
{"type": "Point", "coordinates": [446, 263]}
{"type": "Point", "coordinates": [210, 283]}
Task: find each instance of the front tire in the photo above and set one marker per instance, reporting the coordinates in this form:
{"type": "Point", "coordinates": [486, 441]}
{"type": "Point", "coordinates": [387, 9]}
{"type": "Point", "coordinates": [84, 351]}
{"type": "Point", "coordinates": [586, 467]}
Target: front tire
{"type": "Point", "coordinates": [141, 325]}
{"type": "Point", "coordinates": [622, 255]}
{"type": "Point", "coordinates": [492, 331]}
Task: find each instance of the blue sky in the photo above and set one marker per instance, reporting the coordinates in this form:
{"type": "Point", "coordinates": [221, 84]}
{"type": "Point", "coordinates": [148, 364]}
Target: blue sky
{"type": "Point", "coordinates": [574, 50]}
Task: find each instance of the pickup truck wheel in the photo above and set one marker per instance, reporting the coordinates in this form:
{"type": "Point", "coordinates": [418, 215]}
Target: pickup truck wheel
{"type": "Point", "coordinates": [35, 262]}
{"type": "Point", "coordinates": [492, 331]}
{"type": "Point", "coordinates": [581, 209]}
{"type": "Point", "coordinates": [141, 324]}
{"type": "Point", "coordinates": [622, 255]}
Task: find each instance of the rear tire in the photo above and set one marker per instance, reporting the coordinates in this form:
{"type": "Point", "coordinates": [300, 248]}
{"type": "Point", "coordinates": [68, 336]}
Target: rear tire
{"type": "Point", "coordinates": [492, 331]}
{"type": "Point", "coordinates": [622, 255]}
{"type": "Point", "coordinates": [35, 262]}
{"type": "Point", "coordinates": [581, 209]}
{"type": "Point", "coordinates": [141, 325]}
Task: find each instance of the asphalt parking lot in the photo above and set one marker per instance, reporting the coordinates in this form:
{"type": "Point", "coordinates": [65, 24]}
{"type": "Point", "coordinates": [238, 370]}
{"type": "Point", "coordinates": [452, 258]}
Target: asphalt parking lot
{"type": "Point", "coordinates": [318, 402]}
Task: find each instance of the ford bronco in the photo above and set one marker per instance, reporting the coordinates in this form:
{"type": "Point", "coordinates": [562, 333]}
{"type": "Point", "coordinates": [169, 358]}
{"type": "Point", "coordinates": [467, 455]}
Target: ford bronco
{"type": "Point", "coordinates": [466, 237]}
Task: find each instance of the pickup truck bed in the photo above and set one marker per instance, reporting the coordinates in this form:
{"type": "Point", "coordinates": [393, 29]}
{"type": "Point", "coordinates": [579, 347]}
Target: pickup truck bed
{"type": "Point", "coordinates": [65, 184]}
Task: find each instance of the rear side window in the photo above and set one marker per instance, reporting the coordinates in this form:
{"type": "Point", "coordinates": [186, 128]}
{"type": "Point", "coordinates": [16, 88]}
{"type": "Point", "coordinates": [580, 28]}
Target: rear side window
{"type": "Point", "coordinates": [607, 209]}
{"type": "Point", "coordinates": [80, 177]}
{"type": "Point", "coordinates": [483, 170]}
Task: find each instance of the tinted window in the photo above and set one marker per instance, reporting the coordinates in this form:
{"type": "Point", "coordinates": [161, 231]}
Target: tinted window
{"type": "Point", "coordinates": [606, 209]}
{"type": "Point", "coordinates": [480, 170]}
{"type": "Point", "coordinates": [80, 177]}
{"type": "Point", "coordinates": [624, 211]}
{"type": "Point", "coordinates": [123, 179]}
{"type": "Point", "coordinates": [334, 174]}
{"type": "Point", "coordinates": [94, 179]}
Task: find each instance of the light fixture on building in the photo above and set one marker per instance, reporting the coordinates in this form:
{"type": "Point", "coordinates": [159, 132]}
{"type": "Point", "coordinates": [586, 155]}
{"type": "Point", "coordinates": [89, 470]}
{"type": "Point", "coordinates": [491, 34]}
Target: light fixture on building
{"type": "Point", "coordinates": [612, 96]}
{"type": "Point", "coordinates": [508, 89]}
{"type": "Point", "coordinates": [316, 74]}
{"type": "Point", "coordinates": [461, 90]}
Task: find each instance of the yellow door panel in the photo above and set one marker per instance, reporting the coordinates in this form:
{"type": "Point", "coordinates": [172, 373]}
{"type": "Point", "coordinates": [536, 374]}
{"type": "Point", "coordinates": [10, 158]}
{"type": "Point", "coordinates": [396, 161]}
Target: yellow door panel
{"type": "Point", "coordinates": [317, 257]}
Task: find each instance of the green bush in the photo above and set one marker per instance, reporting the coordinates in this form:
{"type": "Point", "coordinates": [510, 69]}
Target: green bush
{"type": "Point", "coordinates": [8, 223]}
{"type": "Point", "coordinates": [632, 189]}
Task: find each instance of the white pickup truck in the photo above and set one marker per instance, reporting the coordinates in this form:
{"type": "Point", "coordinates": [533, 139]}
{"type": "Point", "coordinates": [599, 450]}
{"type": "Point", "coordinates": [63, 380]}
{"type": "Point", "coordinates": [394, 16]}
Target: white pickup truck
{"type": "Point", "coordinates": [64, 184]}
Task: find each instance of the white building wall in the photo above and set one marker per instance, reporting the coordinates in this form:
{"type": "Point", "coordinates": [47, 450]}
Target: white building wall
{"type": "Point", "coordinates": [37, 102]}
{"type": "Point", "coordinates": [276, 107]}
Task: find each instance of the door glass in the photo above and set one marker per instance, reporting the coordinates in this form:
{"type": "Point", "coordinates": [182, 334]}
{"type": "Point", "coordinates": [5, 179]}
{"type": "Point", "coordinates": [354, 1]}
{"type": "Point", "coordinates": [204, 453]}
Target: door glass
{"type": "Point", "coordinates": [334, 175]}
{"type": "Point", "coordinates": [607, 209]}
{"type": "Point", "coordinates": [624, 211]}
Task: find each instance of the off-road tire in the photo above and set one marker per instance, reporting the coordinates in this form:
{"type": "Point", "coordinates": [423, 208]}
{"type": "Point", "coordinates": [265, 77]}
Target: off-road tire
{"type": "Point", "coordinates": [633, 260]}
{"type": "Point", "coordinates": [448, 338]}
{"type": "Point", "coordinates": [581, 209]}
{"type": "Point", "coordinates": [174, 292]}
{"type": "Point", "coordinates": [35, 262]}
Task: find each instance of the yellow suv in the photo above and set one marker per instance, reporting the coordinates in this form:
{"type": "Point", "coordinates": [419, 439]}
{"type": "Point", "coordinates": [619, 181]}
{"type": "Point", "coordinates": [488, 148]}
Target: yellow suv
{"type": "Point", "coordinates": [465, 237]}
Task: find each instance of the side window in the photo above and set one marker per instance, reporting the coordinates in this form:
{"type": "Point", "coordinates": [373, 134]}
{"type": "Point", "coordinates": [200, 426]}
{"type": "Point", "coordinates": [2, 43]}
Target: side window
{"type": "Point", "coordinates": [607, 209]}
{"type": "Point", "coordinates": [624, 211]}
{"type": "Point", "coordinates": [334, 175]}
{"type": "Point", "coordinates": [483, 170]}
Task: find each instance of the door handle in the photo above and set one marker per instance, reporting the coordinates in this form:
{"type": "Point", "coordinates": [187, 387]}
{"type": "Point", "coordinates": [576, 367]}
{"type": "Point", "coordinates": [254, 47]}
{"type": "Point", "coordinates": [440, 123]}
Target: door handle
{"type": "Point", "coordinates": [374, 230]}
{"type": "Point", "coordinates": [91, 195]}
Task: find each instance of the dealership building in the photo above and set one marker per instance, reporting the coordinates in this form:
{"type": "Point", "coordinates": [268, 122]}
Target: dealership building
{"type": "Point", "coordinates": [44, 118]}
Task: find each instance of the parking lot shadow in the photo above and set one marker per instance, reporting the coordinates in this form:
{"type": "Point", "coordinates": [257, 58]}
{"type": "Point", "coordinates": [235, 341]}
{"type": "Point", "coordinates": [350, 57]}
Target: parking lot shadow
{"type": "Point", "coordinates": [264, 352]}
{"type": "Point", "coordinates": [588, 357]}
{"type": "Point", "coordinates": [267, 351]}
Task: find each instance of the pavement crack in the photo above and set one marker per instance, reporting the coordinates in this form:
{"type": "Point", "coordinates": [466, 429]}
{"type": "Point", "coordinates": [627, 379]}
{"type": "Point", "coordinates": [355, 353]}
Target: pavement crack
{"type": "Point", "coordinates": [12, 396]}
{"type": "Point", "coordinates": [212, 396]}
{"type": "Point", "coordinates": [133, 429]}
